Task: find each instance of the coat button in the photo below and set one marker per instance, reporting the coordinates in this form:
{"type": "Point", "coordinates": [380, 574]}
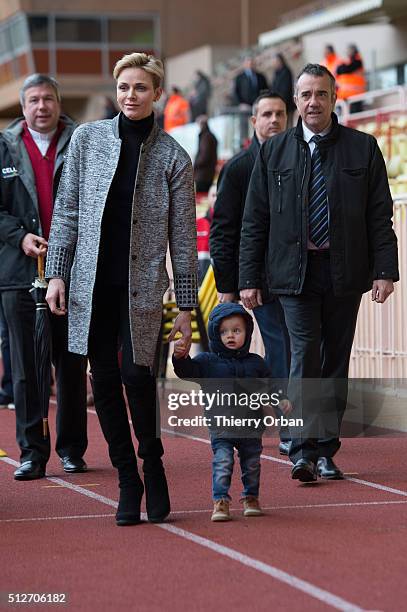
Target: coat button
{"type": "Point", "coordinates": [134, 293]}
{"type": "Point", "coordinates": [134, 257]}
{"type": "Point", "coordinates": [134, 221]}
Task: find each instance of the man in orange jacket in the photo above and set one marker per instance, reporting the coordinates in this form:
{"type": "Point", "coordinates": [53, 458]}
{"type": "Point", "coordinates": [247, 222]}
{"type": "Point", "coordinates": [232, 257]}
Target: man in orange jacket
{"type": "Point", "coordinates": [350, 75]}
{"type": "Point", "coordinates": [176, 110]}
{"type": "Point", "coordinates": [331, 59]}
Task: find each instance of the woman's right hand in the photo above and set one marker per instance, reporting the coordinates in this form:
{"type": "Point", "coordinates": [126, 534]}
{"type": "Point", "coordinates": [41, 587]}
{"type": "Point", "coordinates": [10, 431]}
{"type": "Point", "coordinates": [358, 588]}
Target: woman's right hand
{"type": "Point", "coordinates": [56, 296]}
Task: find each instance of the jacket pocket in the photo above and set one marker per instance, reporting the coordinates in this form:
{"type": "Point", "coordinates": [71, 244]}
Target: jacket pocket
{"type": "Point", "coordinates": [353, 185]}
{"type": "Point", "coordinates": [280, 183]}
{"type": "Point", "coordinates": [355, 172]}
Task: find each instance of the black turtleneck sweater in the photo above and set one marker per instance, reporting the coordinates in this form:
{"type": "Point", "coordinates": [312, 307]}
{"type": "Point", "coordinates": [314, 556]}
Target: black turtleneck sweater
{"type": "Point", "coordinates": [113, 262]}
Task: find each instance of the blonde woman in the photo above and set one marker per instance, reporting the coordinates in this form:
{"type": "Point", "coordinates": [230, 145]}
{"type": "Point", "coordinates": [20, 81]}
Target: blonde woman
{"type": "Point", "coordinates": [126, 192]}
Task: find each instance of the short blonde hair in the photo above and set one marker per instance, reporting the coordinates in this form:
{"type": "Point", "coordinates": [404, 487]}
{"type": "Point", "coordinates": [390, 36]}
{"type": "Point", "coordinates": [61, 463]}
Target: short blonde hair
{"type": "Point", "coordinates": [149, 63]}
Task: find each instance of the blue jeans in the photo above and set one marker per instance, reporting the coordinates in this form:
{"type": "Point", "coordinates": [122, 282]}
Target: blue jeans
{"type": "Point", "coordinates": [6, 381]}
{"type": "Point", "coordinates": [249, 450]}
{"type": "Point", "coordinates": [271, 322]}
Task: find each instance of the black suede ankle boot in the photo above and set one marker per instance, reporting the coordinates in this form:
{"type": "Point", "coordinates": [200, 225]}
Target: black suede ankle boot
{"type": "Point", "coordinates": [112, 414]}
{"type": "Point", "coordinates": [157, 496]}
{"type": "Point", "coordinates": [128, 511]}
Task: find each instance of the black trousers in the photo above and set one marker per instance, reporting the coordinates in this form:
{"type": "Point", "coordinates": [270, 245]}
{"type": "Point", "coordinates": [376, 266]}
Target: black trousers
{"type": "Point", "coordinates": [70, 371]}
{"type": "Point", "coordinates": [109, 332]}
{"type": "Point", "coordinates": [321, 328]}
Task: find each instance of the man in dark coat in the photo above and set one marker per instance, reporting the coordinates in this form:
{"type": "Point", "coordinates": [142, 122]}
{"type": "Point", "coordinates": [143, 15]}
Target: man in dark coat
{"type": "Point", "coordinates": [282, 82]}
{"type": "Point", "coordinates": [269, 117]}
{"type": "Point", "coordinates": [206, 157]}
{"type": "Point", "coordinates": [319, 209]}
{"type": "Point", "coordinates": [200, 94]}
{"type": "Point", "coordinates": [249, 84]}
{"type": "Point", "coordinates": [32, 152]}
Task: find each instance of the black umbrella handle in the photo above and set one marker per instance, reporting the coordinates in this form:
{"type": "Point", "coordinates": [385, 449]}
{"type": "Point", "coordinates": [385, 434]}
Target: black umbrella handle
{"type": "Point", "coordinates": [40, 267]}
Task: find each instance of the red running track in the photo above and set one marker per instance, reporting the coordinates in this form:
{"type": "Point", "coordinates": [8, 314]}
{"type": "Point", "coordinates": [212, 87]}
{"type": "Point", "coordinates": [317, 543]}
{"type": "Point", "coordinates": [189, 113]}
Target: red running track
{"type": "Point", "coordinates": [338, 545]}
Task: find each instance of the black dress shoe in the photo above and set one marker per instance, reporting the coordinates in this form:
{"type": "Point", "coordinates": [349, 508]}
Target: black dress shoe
{"type": "Point", "coordinates": [128, 511]}
{"type": "Point", "coordinates": [284, 447]}
{"type": "Point", "coordinates": [157, 497]}
{"type": "Point", "coordinates": [30, 470]}
{"type": "Point", "coordinates": [326, 468]}
{"type": "Point", "coordinates": [73, 465]}
{"type": "Point", "coordinates": [304, 471]}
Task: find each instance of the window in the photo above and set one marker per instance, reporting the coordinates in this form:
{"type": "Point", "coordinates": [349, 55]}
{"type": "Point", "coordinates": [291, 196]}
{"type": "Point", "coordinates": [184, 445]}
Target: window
{"type": "Point", "coordinates": [38, 29]}
{"type": "Point", "coordinates": [77, 30]}
{"type": "Point", "coordinates": [131, 31]}
{"type": "Point", "coordinates": [19, 35]}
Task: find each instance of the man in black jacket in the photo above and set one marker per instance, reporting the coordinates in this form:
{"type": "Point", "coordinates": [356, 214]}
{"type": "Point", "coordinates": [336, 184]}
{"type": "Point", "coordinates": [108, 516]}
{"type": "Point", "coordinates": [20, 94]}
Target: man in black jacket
{"type": "Point", "coordinates": [319, 208]}
{"type": "Point", "coordinates": [206, 157]}
{"type": "Point", "coordinates": [32, 151]}
{"type": "Point", "coordinates": [249, 83]}
{"type": "Point", "coordinates": [269, 117]}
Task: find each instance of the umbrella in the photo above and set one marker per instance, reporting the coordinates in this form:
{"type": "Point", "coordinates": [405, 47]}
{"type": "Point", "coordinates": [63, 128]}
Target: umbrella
{"type": "Point", "coordinates": [42, 343]}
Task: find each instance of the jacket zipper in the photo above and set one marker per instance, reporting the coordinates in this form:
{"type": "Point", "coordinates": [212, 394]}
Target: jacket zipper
{"type": "Point", "coordinates": [280, 195]}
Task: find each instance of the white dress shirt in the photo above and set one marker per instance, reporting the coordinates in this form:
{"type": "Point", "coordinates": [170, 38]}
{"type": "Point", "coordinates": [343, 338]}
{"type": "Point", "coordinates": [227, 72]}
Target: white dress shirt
{"type": "Point", "coordinates": [42, 140]}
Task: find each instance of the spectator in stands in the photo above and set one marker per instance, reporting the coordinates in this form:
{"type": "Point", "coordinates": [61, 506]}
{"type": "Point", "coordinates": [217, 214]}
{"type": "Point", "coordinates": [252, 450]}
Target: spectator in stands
{"type": "Point", "coordinates": [125, 194]}
{"type": "Point", "coordinates": [6, 387]}
{"type": "Point", "coordinates": [206, 157]}
{"type": "Point", "coordinates": [331, 60]}
{"type": "Point", "coordinates": [282, 82]}
{"type": "Point", "coordinates": [319, 209]}
{"type": "Point", "coordinates": [33, 149]}
{"type": "Point", "coordinates": [248, 84]}
{"type": "Point", "coordinates": [200, 94]}
{"type": "Point", "coordinates": [269, 117]}
{"type": "Point", "coordinates": [176, 111]}
{"type": "Point", "coordinates": [350, 79]}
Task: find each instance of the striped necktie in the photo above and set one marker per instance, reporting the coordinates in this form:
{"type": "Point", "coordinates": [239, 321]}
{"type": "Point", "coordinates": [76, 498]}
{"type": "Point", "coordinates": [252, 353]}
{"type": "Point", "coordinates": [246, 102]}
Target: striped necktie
{"type": "Point", "coordinates": [318, 200]}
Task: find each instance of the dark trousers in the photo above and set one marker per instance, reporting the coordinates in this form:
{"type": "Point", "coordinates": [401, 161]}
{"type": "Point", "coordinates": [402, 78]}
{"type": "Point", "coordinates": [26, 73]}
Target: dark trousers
{"type": "Point", "coordinates": [6, 381]}
{"type": "Point", "coordinates": [70, 371]}
{"type": "Point", "coordinates": [109, 332]}
{"type": "Point", "coordinates": [321, 327]}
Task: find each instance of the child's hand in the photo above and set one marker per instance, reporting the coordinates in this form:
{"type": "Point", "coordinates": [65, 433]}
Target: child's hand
{"type": "Point", "coordinates": [179, 348]}
{"type": "Point", "coordinates": [285, 406]}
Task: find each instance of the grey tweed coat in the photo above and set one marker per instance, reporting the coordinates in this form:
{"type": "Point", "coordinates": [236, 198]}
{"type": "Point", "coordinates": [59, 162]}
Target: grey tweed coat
{"type": "Point", "coordinates": [163, 213]}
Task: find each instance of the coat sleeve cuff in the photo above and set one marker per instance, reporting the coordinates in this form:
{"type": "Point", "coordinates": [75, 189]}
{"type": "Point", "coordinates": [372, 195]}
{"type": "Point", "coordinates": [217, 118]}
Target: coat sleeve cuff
{"type": "Point", "coordinates": [59, 262]}
{"type": "Point", "coordinates": [186, 290]}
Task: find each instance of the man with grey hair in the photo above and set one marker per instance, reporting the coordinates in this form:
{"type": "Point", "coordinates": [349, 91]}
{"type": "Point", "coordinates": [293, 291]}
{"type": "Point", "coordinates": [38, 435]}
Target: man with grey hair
{"type": "Point", "coordinates": [319, 210]}
{"type": "Point", "coordinates": [32, 150]}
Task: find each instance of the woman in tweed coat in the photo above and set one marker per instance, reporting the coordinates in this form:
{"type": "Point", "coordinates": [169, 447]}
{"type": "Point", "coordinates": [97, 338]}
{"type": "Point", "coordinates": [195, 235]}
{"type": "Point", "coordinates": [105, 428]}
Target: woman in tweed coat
{"type": "Point", "coordinates": [126, 192]}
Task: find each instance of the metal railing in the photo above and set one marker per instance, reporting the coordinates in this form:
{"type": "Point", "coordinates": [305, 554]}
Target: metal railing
{"type": "Point", "coordinates": [380, 345]}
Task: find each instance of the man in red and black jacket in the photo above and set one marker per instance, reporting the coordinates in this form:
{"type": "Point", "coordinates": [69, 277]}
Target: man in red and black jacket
{"type": "Point", "coordinates": [32, 152]}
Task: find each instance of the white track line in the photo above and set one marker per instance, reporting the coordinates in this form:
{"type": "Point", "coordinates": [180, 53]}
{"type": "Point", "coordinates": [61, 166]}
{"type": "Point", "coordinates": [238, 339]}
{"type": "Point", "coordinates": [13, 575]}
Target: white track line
{"type": "Point", "coordinates": [55, 518]}
{"type": "Point", "coordinates": [301, 585]}
{"type": "Point", "coordinates": [374, 485]}
{"type": "Point", "coordinates": [300, 507]}
{"type": "Point", "coordinates": [366, 483]}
